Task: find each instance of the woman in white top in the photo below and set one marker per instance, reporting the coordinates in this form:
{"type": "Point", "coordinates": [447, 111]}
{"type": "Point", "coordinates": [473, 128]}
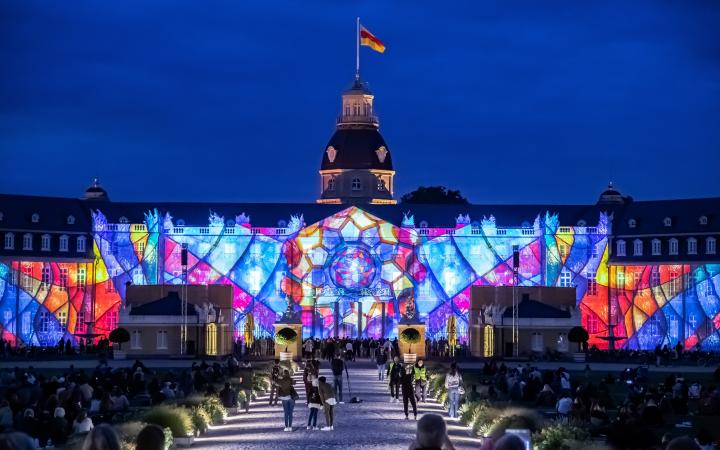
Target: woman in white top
{"type": "Point", "coordinates": [82, 423]}
{"type": "Point", "coordinates": [453, 384]}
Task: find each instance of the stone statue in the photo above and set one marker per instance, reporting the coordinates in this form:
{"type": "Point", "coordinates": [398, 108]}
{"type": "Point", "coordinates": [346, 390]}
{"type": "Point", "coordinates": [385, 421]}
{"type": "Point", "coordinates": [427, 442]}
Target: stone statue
{"type": "Point", "coordinates": [410, 307]}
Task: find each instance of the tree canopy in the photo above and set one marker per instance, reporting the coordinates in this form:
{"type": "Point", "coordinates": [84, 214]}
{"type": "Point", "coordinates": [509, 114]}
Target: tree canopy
{"type": "Point", "coordinates": [434, 195]}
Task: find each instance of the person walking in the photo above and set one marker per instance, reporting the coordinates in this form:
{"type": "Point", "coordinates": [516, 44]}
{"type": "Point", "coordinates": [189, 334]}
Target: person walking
{"type": "Point", "coordinates": [408, 392]}
{"type": "Point", "coordinates": [381, 361]}
{"type": "Point", "coordinates": [394, 374]}
{"type": "Point", "coordinates": [453, 384]}
{"type": "Point", "coordinates": [246, 383]}
{"type": "Point", "coordinates": [338, 366]}
{"type": "Point", "coordinates": [274, 377]}
{"type": "Point", "coordinates": [314, 404]}
{"type": "Point", "coordinates": [420, 380]}
{"type": "Point", "coordinates": [327, 397]}
{"type": "Point", "coordinates": [286, 393]}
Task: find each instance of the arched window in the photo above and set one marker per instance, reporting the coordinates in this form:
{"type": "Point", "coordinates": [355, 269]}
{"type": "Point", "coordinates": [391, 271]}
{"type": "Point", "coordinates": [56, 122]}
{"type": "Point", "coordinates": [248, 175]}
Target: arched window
{"type": "Point", "coordinates": [356, 184]}
{"type": "Point", "coordinates": [581, 223]}
{"type": "Point", "coordinates": [27, 241]}
{"type": "Point", "coordinates": [692, 246]}
{"type": "Point", "coordinates": [123, 219]}
{"type": "Point", "coordinates": [282, 224]}
{"type": "Point", "coordinates": [632, 223]}
{"type": "Point", "coordinates": [45, 243]}
{"type": "Point", "coordinates": [71, 220]}
{"type": "Point", "coordinates": [536, 342]}
{"type": "Point", "coordinates": [35, 218]}
{"type": "Point", "coordinates": [211, 339]}
{"type": "Point", "coordinates": [180, 223]}
{"type": "Point", "coordinates": [703, 220]}
{"type": "Point", "coordinates": [64, 243]}
{"type": "Point", "coordinates": [9, 241]}
{"type": "Point", "coordinates": [81, 240]}
{"type": "Point", "coordinates": [656, 247]}
{"type": "Point", "coordinates": [673, 246]}
{"type": "Point", "coordinates": [620, 248]}
{"type": "Point", "coordinates": [667, 222]}
{"type": "Point", "coordinates": [331, 184]}
{"type": "Point", "coordinates": [423, 224]}
{"type": "Point", "coordinates": [637, 247]}
{"type": "Point", "coordinates": [710, 246]}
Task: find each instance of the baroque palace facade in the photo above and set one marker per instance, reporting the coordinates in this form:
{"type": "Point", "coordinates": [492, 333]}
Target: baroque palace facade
{"type": "Point", "coordinates": [646, 273]}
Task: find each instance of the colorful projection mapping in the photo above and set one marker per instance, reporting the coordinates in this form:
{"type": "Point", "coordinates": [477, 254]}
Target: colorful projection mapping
{"type": "Point", "coordinates": [356, 262]}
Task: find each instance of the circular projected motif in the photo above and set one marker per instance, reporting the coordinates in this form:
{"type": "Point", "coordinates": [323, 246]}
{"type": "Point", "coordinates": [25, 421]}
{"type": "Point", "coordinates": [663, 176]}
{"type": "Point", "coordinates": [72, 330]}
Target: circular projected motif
{"type": "Point", "coordinates": [352, 268]}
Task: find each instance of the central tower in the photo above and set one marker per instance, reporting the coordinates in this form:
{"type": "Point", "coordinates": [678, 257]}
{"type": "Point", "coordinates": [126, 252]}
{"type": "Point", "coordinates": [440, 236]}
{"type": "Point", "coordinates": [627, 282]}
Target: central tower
{"type": "Point", "coordinates": [356, 165]}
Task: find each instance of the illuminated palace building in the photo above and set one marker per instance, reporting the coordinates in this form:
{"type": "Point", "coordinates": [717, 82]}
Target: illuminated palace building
{"type": "Point", "coordinates": [645, 272]}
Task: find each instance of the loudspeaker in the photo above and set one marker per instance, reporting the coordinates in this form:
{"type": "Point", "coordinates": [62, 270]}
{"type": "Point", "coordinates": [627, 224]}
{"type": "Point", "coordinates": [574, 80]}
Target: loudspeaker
{"type": "Point", "coordinates": [516, 257]}
{"type": "Point", "coordinates": [183, 257]}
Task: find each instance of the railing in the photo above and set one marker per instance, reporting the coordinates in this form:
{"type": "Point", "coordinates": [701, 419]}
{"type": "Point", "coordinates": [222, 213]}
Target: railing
{"type": "Point", "coordinates": [357, 119]}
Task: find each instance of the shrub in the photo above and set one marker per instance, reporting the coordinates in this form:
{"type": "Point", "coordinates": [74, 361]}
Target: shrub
{"type": "Point", "coordinates": [510, 418]}
{"type": "Point", "coordinates": [127, 433]}
{"type": "Point", "coordinates": [215, 410]}
{"type": "Point", "coordinates": [482, 417]}
{"type": "Point", "coordinates": [176, 418]}
{"type": "Point", "coordinates": [261, 382]}
{"type": "Point", "coordinates": [200, 418]}
{"type": "Point", "coordinates": [578, 335]}
{"type": "Point", "coordinates": [119, 336]}
{"type": "Point", "coordinates": [559, 436]}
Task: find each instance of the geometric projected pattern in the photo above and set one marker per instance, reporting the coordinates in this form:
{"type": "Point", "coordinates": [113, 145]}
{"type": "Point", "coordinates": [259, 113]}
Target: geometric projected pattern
{"type": "Point", "coordinates": [360, 262]}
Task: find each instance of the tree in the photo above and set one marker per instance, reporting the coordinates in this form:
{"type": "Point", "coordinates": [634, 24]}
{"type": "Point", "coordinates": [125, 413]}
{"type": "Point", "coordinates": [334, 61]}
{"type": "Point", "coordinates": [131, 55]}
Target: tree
{"type": "Point", "coordinates": [119, 336]}
{"type": "Point", "coordinates": [434, 195]}
{"type": "Point", "coordinates": [579, 335]}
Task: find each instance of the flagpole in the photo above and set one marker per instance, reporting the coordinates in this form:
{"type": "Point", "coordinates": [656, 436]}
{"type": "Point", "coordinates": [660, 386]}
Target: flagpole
{"type": "Point", "coordinates": [357, 51]}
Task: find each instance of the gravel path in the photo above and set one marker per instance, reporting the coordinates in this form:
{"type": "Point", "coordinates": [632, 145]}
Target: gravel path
{"type": "Point", "coordinates": [373, 424]}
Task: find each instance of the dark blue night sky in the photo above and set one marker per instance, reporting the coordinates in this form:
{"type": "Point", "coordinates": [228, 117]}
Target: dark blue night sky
{"type": "Point", "coordinates": [521, 102]}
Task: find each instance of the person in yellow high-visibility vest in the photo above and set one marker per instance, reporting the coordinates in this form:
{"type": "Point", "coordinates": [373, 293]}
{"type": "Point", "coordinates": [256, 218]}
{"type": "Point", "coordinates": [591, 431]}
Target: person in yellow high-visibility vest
{"type": "Point", "coordinates": [420, 380]}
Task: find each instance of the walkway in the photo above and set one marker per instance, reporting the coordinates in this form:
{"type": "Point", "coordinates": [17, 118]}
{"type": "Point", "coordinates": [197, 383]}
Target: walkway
{"type": "Point", "coordinates": [373, 424]}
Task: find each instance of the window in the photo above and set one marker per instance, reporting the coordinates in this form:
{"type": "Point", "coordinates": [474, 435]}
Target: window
{"type": "Point", "coordinates": [110, 284]}
{"type": "Point", "coordinates": [45, 243]}
{"type": "Point", "coordinates": [703, 220]}
{"type": "Point", "coordinates": [593, 324]}
{"type": "Point", "coordinates": [562, 342]}
{"type": "Point", "coordinates": [123, 219]}
{"type": "Point", "coordinates": [709, 285]}
{"type": "Point", "coordinates": [356, 184]}
{"type": "Point", "coordinates": [632, 223]}
{"type": "Point", "coordinates": [136, 340]}
{"type": "Point", "coordinates": [591, 283]}
{"type": "Point", "coordinates": [27, 241]}
{"type": "Point", "coordinates": [536, 342]}
{"type": "Point", "coordinates": [111, 320]}
{"type": "Point", "coordinates": [667, 222]}
{"type": "Point", "coordinates": [710, 246]}
{"type": "Point", "coordinates": [637, 247]}
{"type": "Point", "coordinates": [565, 279]}
{"type": "Point", "coordinates": [71, 220]}
{"type": "Point", "coordinates": [331, 184]}
{"type": "Point", "coordinates": [63, 281]}
{"type": "Point", "coordinates": [35, 218]}
{"type": "Point", "coordinates": [674, 327]}
{"type": "Point", "coordinates": [25, 328]}
{"type": "Point", "coordinates": [655, 278]}
{"type": "Point", "coordinates": [674, 284]}
{"type": "Point", "coordinates": [562, 249]}
{"type": "Point", "coordinates": [81, 240]}
{"type": "Point", "coordinates": [27, 280]}
{"type": "Point", "coordinates": [673, 246]}
{"type": "Point", "coordinates": [380, 184]}
{"type": "Point", "coordinates": [692, 246]}
{"type": "Point", "coordinates": [656, 247]}
{"type": "Point", "coordinates": [654, 324]}
{"type": "Point", "coordinates": [636, 279]}
{"type": "Point", "coordinates": [62, 318]}
{"type": "Point", "coordinates": [620, 279]}
{"type": "Point", "coordinates": [45, 277]}
{"type": "Point", "coordinates": [81, 277]}
{"type": "Point", "coordinates": [64, 243]}
{"type": "Point", "coordinates": [137, 276]}
{"type": "Point", "coordinates": [621, 248]}
{"type": "Point", "coordinates": [162, 340]}
{"type": "Point", "coordinates": [9, 241]}
{"type": "Point", "coordinates": [141, 247]}
{"type": "Point", "coordinates": [44, 322]}
{"type": "Point", "coordinates": [211, 339]}
{"type": "Point", "coordinates": [593, 250]}
{"type": "Point", "coordinates": [81, 326]}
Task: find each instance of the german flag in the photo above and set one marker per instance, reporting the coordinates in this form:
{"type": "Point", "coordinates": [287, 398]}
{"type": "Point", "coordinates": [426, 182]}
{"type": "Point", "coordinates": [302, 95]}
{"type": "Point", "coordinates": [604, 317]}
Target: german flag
{"type": "Point", "coordinates": [369, 40]}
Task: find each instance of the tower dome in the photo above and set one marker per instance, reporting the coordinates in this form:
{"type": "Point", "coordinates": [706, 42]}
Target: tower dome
{"type": "Point", "coordinates": [356, 165]}
{"type": "Point", "coordinates": [611, 196]}
{"type": "Point", "coordinates": [95, 191]}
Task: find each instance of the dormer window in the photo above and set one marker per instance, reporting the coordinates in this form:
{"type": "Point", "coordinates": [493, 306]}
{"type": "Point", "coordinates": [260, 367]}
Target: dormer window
{"type": "Point", "coordinates": [582, 223]}
{"type": "Point", "coordinates": [637, 247]}
{"type": "Point", "coordinates": [35, 218]}
{"type": "Point", "coordinates": [621, 248]}
{"type": "Point", "coordinates": [702, 220]}
{"type": "Point", "coordinates": [45, 243]}
{"type": "Point", "coordinates": [355, 184]}
{"type": "Point", "coordinates": [123, 219]}
{"type": "Point", "coordinates": [282, 224]}
{"type": "Point", "coordinates": [673, 246]}
{"type": "Point", "coordinates": [423, 224]}
{"type": "Point", "coordinates": [180, 223]}
{"type": "Point", "coordinates": [667, 222]}
{"type": "Point", "coordinates": [692, 246]}
{"type": "Point", "coordinates": [71, 220]}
